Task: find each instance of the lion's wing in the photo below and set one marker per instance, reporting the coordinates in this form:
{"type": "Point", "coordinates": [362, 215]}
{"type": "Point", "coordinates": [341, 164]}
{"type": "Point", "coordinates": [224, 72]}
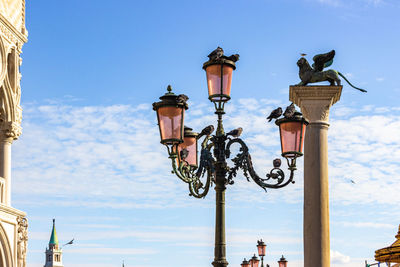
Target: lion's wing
{"type": "Point", "coordinates": [322, 61]}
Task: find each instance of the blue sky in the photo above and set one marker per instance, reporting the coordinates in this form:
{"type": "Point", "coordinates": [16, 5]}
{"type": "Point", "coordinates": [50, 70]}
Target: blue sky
{"type": "Point", "coordinates": [90, 155]}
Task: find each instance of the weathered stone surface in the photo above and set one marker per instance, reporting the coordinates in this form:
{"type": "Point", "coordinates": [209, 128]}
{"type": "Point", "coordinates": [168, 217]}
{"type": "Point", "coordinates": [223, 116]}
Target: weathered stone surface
{"type": "Point", "coordinates": [315, 102]}
{"type": "Point", "coordinates": [13, 224]}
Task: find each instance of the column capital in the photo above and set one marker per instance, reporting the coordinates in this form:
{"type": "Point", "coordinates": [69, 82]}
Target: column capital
{"type": "Point", "coordinates": [10, 131]}
{"type": "Point", "coordinates": [315, 101]}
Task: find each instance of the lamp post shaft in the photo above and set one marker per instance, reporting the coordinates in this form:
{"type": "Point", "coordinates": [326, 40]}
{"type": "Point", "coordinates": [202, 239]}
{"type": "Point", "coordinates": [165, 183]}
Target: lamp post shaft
{"type": "Point", "coordinates": [220, 181]}
{"type": "Point", "coordinates": [220, 243]}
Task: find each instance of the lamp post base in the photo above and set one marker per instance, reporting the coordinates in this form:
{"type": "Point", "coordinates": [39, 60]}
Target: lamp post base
{"type": "Point", "coordinates": [222, 263]}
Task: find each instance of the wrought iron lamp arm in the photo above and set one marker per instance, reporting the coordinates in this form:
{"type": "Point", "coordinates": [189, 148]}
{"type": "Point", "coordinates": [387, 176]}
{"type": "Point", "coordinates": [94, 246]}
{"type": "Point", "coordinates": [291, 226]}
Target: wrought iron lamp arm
{"type": "Point", "coordinates": [244, 162]}
{"type": "Point", "coordinates": [190, 174]}
{"type": "Point", "coordinates": [197, 189]}
{"type": "Point", "coordinates": [179, 170]}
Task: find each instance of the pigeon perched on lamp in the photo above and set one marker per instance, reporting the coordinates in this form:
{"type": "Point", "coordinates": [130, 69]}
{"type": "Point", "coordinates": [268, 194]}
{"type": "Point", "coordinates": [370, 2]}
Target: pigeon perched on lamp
{"type": "Point", "coordinates": [182, 98]}
{"type": "Point", "coordinates": [290, 110]}
{"type": "Point", "coordinates": [184, 153]}
{"type": "Point", "coordinates": [236, 132]}
{"type": "Point", "coordinates": [216, 54]}
{"type": "Point", "coordinates": [206, 131]}
{"type": "Point", "coordinates": [276, 113]}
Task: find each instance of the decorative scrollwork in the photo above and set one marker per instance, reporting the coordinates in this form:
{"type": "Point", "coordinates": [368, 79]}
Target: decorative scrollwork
{"type": "Point", "coordinates": [200, 185]}
{"type": "Point", "coordinates": [206, 162]}
{"type": "Point", "coordinates": [192, 175]}
{"type": "Point", "coordinates": [198, 189]}
{"type": "Point", "coordinates": [243, 161]}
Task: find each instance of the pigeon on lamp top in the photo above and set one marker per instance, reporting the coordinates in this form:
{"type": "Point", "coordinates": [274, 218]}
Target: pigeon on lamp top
{"type": "Point", "coordinates": [206, 131]}
{"type": "Point", "coordinates": [234, 57]}
{"type": "Point", "coordinates": [235, 133]}
{"type": "Point", "coordinates": [181, 99]}
{"type": "Point", "coordinates": [289, 112]}
{"type": "Point", "coordinates": [276, 113]}
{"type": "Point", "coordinates": [216, 54]}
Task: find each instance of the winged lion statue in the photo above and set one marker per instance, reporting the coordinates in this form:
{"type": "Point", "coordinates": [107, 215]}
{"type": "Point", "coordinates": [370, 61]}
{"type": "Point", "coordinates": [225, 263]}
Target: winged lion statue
{"type": "Point", "coordinates": [315, 73]}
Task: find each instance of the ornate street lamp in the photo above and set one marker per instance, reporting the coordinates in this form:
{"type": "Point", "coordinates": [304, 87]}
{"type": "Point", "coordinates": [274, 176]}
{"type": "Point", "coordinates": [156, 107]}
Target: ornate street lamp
{"type": "Point", "coordinates": [292, 132]}
{"type": "Point", "coordinates": [261, 247]}
{"type": "Point", "coordinates": [245, 263]}
{"type": "Point", "coordinates": [254, 261]}
{"type": "Point", "coordinates": [282, 262]}
{"type": "Point", "coordinates": [170, 115]}
{"type": "Point", "coordinates": [219, 70]}
{"type": "Point", "coordinates": [188, 149]}
{"type": "Point", "coordinates": [212, 168]}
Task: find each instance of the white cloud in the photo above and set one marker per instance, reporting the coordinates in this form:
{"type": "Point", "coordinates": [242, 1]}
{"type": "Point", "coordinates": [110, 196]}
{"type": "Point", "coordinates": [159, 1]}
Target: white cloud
{"type": "Point", "coordinates": [339, 258]}
{"type": "Point", "coordinates": [368, 225]}
{"type": "Point", "coordinates": [335, 3]}
{"type": "Point", "coordinates": [103, 157]}
{"type": "Point", "coordinates": [376, 2]}
{"type": "Point", "coordinates": [110, 156]}
{"type": "Point", "coordinates": [351, 3]}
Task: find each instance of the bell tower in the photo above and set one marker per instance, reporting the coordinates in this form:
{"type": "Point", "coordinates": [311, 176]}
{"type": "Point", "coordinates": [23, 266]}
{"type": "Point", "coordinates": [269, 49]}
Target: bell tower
{"type": "Point", "coordinates": [53, 252]}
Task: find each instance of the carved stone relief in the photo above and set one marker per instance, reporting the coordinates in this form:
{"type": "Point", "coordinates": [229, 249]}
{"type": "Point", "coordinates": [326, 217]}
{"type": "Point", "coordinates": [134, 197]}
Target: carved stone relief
{"type": "Point", "coordinates": [10, 91]}
{"type": "Point", "coordinates": [315, 101]}
{"type": "Point", "coordinates": [22, 241]}
{"type": "Point", "coordinates": [316, 111]}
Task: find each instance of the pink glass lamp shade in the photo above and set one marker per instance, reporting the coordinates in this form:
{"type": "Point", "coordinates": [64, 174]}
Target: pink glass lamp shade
{"type": "Point", "coordinates": [190, 144]}
{"type": "Point", "coordinates": [245, 263]}
{"type": "Point", "coordinates": [170, 115]}
{"type": "Point", "coordinates": [282, 262]}
{"type": "Point", "coordinates": [219, 80]}
{"type": "Point", "coordinates": [292, 131]}
{"type": "Point", "coordinates": [219, 76]}
{"type": "Point", "coordinates": [254, 261]}
{"type": "Point", "coordinates": [261, 246]}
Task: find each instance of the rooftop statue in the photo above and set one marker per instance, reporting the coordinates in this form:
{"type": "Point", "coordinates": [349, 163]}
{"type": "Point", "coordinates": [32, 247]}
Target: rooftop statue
{"type": "Point", "coordinates": [316, 73]}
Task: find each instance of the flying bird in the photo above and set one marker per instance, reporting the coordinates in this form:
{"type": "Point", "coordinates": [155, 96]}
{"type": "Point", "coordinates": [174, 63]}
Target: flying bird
{"type": "Point", "coordinates": [290, 110]}
{"type": "Point", "coordinates": [276, 113]}
{"type": "Point", "coordinates": [236, 132]}
{"type": "Point", "coordinates": [351, 180]}
{"type": "Point", "coordinates": [206, 131]}
{"type": "Point", "coordinates": [303, 54]}
{"type": "Point", "coordinates": [216, 54]}
{"type": "Point", "coordinates": [70, 242]}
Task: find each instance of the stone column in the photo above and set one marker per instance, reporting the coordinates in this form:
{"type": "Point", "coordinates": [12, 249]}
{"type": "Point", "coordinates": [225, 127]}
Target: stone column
{"type": "Point", "coordinates": [315, 102]}
{"type": "Point", "coordinates": [5, 167]}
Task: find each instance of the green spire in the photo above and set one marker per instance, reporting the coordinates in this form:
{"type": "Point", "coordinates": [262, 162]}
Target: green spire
{"type": "Point", "coordinates": [53, 238]}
